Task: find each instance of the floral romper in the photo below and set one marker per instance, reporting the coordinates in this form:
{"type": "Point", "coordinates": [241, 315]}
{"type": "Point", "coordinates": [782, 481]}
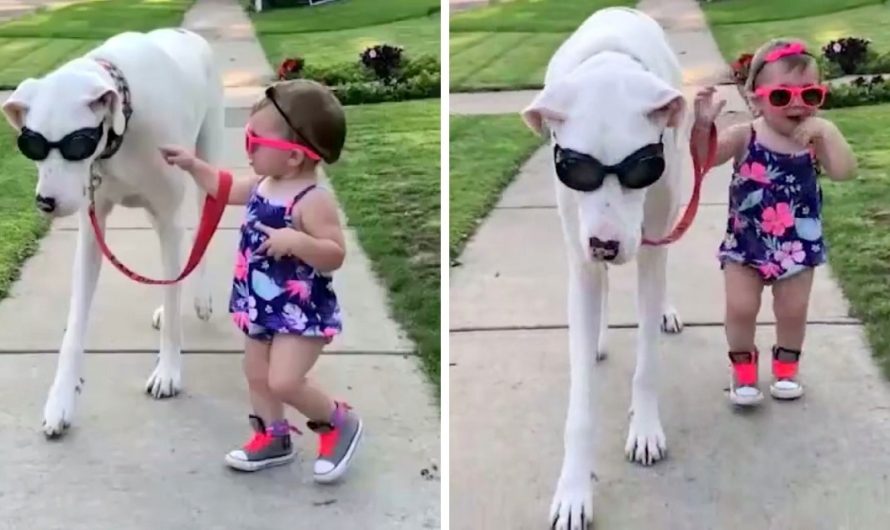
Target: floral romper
{"type": "Point", "coordinates": [775, 213]}
{"type": "Point", "coordinates": [287, 295]}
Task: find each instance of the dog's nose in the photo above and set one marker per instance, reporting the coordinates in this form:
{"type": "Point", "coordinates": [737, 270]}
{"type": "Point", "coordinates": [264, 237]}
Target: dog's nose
{"type": "Point", "coordinates": [603, 250]}
{"type": "Point", "coordinates": [46, 204]}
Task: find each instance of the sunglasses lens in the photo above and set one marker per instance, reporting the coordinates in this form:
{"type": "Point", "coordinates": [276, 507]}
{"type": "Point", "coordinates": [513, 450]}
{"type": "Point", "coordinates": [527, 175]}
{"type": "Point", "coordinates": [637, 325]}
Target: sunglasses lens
{"type": "Point", "coordinates": [780, 97]}
{"type": "Point", "coordinates": [644, 173]}
{"type": "Point", "coordinates": [79, 146]}
{"type": "Point", "coordinates": [580, 175]}
{"type": "Point", "coordinates": [33, 146]}
{"type": "Point", "coordinates": [812, 96]}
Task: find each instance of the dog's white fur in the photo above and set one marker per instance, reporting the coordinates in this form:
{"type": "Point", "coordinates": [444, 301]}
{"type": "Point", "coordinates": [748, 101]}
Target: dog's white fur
{"type": "Point", "coordinates": [177, 98]}
{"type": "Point", "coordinates": [612, 87]}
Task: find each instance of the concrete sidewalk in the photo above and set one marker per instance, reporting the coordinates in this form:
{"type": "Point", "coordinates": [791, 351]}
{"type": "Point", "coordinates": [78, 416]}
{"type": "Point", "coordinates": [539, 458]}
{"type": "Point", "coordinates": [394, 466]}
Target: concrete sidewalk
{"type": "Point", "coordinates": [817, 464]}
{"type": "Point", "coordinates": [10, 9]}
{"type": "Point", "coordinates": [131, 462]}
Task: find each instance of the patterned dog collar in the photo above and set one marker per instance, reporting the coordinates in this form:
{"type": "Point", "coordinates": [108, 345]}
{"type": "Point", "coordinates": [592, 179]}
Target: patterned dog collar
{"type": "Point", "coordinates": [115, 140]}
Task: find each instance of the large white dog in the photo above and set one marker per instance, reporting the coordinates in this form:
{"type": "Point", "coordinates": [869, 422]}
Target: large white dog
{"type": "Point", "coordinates": [613, 108]}
{"type": "Point", "coordinates": [98, 121]}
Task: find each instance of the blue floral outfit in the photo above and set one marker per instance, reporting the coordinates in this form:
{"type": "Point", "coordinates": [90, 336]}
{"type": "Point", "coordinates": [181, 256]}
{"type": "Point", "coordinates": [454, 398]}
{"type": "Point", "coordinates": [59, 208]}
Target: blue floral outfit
{"type": "Point", "coordinates": [287, 295]}
{"type": "Point", "coordinates": [775, 213]}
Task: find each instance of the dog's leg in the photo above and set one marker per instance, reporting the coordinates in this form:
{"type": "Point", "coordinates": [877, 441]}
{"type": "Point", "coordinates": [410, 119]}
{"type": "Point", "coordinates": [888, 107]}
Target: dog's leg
{"type": "Point", "coordinates": [165, 380]}
{"type": "Point", "coordinates": [670, 318]}
{"type": "Point", "coordinates": [572, 506]}
{"type": "Point", "coordinates": [645, 439]}
{"type": "Point", "coordinates": [601, 352]}
{"type": "Point", "coordinates": [58, 412]}
{"type": "Point", "coordinates": [201, 282]}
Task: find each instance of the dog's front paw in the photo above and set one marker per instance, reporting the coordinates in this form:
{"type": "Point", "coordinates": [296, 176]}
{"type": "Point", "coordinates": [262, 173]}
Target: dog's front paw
{"type": "Point", "coordinates": [58, 412]}
{"type": "Point", "coordinates": [572, 506]}
{"type": "Point", "coordinates": [165, 381]}
{"type": "Point", "coordinates": [670, 321]}
{"type": "Point", "coordinates": [646, 443]}
{"type": "Point", "coordinates": [156, 317]}
{"type": "Point", "coordinates": [204, 306]}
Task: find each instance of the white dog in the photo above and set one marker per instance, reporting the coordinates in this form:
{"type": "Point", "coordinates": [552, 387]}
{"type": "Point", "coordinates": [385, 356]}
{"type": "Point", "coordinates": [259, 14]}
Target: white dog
{"type": "Point", "coordinates": [133, 93]}
{"type": "Point", "coordinates": [612, 89]}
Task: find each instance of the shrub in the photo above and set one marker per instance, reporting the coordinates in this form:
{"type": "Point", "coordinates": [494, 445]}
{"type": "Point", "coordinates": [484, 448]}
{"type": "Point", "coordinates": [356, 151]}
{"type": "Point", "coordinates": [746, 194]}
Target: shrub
{"type": "Point", "coordinates": [850, 53]}
{"type": "Point", "coordinates": [384, 60]}
{"type": "Point", "coordinates": [860, 91]}
{"type": "Point", "coordinates": [354, 83]}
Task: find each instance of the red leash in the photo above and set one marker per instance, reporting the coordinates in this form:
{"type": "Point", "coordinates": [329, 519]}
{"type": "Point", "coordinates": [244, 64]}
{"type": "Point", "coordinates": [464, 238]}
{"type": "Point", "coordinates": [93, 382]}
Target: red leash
{"type": "Point", "coordinates": [699, 171]}
{"type": "Point", "coordinates": [210, 216]}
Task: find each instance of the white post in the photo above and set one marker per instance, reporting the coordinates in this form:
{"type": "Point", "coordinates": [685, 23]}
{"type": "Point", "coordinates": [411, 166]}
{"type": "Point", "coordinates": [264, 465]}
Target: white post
{"type": "Point", "coordinates": [258, 5]}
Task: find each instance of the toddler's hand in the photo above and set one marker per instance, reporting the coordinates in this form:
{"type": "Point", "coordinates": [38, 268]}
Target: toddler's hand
{"type": "Point", "coordinates": [812, 130]}
{"type": "Point", "coordinates": [706, 109]}
{"type": "Point", "coordinates": [280, 243]}
{"type": "Point", "coordinates": [177, 156]}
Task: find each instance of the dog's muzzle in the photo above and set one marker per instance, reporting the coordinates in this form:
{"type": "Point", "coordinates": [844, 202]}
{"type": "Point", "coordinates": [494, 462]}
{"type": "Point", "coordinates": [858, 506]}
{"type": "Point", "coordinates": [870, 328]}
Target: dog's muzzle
{"type": "Point", "coordinates": [46, 204]}
{"type": "Point", "coordinates": [603, 250]}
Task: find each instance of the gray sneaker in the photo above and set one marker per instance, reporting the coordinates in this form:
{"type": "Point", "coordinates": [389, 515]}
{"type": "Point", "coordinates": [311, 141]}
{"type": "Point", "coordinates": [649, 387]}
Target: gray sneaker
{"type": "Point", "coordinates": [337, 442]}
{"type": "Point", "coordinates": [268, 447]}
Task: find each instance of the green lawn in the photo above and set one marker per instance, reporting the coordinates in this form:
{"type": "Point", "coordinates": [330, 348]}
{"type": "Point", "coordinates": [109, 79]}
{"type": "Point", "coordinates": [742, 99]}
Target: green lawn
{"type": "Point", "coordinates": [531, 16]}
{"type": "Point", "coordinates": [739, 11]}
{"type": "Point", "coordinates": [418, 36]}
{"type": "Point", "coordinates": [36, 44]}
{"type": "Point", "coordinates": [486, 152]}
{"type": "Point", "coordinates": [20, 223]}
{"type": "Point", "coordinates": [490, 61]}
{"type": "Point", "coordinates": [388, 185]}
{"type": "Point", "coordinates": [507, 45]}
{"type": "Point", "coordinates": [341, 14]}
{"type": "Point", "coordinates": [28, 57]}
{"type": "Point", "coordinates": [870, 22]}
{"type": "Point", "coordinates": [98, 19]}
{"type": "Point", "coordinates": [857, 223]}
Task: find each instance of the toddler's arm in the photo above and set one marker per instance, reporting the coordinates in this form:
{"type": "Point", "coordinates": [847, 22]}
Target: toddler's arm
{"type": "Point", "coordinates": [834, 153]}
{"type": "Point", "coordinates": [207, 176]}
{"type": "Point", "coordinates": [321, 243]}
{"type": "Point", "coordinates": [730, 141]}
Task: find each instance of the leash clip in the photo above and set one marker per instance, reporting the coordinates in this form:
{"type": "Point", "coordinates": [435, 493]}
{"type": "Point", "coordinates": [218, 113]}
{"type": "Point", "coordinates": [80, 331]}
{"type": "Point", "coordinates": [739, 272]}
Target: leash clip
{"type": "Point", "coordinates": [95, 181]}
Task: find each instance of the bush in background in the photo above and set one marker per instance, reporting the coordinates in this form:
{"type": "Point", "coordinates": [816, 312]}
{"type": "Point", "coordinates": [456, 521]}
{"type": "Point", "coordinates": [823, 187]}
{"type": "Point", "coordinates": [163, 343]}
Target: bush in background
{"type": "Point", "coordinates": [383, 73]}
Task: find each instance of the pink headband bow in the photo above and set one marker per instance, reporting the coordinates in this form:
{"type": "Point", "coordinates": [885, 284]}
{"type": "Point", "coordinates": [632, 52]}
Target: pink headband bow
{"type": "Point", "coordinates": [790, 49]}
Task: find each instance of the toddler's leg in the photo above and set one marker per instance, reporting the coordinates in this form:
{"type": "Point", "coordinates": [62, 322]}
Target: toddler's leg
{"type": "Point", "coordinates": [339, 428]}
{"type": "Point", "coordinates": [271, 443]}
{"type": "Point", "coordinates": [743, 288]}
{"type": "Point", "coordinates": [791, 300]}
{"type": "Point", "coordinates": [256, 369]}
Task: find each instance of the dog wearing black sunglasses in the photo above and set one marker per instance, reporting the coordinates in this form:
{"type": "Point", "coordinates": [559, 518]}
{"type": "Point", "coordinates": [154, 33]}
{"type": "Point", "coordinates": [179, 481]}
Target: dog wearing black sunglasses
{"type": "Point", "coordinates": [93, 127]}
{"type": "Point", "coordinates": [619, 132]}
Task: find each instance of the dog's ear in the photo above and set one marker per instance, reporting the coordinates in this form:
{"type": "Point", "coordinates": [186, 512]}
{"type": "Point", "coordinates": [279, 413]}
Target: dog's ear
{"type": "Point", "coordinates": [551, 104]}
{"type": "Point", "coordinates": [105, 95]}
{"type": "Point", "coordinates": [19, 101]}
{"type": "Point", "coordinates": [670, 113]}
{"type": "Point", "coordinates": [666, 105]}
{"type": "Point", "coordinates": [661, 102]}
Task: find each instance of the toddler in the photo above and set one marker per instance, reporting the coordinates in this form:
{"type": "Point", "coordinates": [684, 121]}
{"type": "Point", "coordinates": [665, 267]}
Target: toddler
{"type": "Point", "coordinates": [774, 228]}
{"type": "Point", "coordinates": [282, 294]}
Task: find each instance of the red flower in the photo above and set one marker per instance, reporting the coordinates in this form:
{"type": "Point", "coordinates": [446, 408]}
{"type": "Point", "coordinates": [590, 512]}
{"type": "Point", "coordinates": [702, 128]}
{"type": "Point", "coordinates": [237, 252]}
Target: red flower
{"type": "Point", "coordinates": [289, 67]}
{"type": "Point", "coordinates": [741, 66]}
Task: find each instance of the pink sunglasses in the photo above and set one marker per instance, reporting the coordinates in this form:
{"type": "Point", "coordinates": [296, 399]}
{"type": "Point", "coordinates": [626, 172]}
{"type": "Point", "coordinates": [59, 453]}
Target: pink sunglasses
{"type": "Point", "coordinates": [781, 96]}
{"type": "Point", "coordinates": [251, 141]}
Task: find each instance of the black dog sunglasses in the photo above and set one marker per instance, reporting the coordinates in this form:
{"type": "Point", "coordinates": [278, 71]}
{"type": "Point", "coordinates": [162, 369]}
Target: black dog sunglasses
{"type": "Point", "coordinates": [582, 172]}
{"type": "Point", "coordinates": [74, 146]}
